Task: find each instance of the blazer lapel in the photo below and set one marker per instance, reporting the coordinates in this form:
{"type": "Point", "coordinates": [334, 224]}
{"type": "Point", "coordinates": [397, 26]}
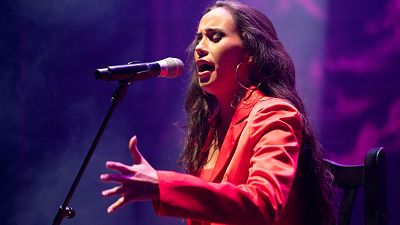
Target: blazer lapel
{"type": "Point", "coordinates": [227, 150]}
{"type": "Point", "coordinates": [239, 121]}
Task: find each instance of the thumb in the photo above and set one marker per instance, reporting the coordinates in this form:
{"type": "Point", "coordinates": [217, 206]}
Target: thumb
{"type": "Point", "coordinates": [137, 157]}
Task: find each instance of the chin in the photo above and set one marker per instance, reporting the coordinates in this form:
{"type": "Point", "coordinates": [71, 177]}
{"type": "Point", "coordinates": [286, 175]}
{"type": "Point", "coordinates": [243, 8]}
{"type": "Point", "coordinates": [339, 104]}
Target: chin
{"type": "Point", "coordinates": [206, 87]}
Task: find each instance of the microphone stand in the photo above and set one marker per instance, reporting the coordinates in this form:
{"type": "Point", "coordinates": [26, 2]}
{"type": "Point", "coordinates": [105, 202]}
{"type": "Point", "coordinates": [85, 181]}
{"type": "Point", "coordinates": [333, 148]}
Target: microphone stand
{"type": "Point", "coordinates": [64, 210]}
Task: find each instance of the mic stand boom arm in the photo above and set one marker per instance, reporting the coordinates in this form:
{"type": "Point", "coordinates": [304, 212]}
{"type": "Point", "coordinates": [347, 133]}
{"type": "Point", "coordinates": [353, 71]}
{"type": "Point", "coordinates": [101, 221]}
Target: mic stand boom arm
{"type": "Point", "coordinates": [64, 210]}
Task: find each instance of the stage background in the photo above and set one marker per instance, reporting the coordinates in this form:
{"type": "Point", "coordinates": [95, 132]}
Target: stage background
{"type": "Point", "coordinates": [346, 55]}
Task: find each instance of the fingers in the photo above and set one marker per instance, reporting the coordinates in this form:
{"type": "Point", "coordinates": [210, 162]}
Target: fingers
{"type": "Point", "coordinates": [120, 167]}
{"type": "Point", "coordinates": [117, 204]}
{"type": "Point", "coordinates": [137, 157]}
{"type": "Point", "coordinates": [112, 191]}
{"type": "Point", "coordinates": [132, 179]}
{"type": "Point", "coordinates": [116, 178]}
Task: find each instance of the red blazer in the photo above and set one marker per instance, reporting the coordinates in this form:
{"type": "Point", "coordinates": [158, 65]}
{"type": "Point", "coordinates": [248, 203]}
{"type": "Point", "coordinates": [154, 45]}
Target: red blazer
{"type": "Point", "coordinates": [253, 175]}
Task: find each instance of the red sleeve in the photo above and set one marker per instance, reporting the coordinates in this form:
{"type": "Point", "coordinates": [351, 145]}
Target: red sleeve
{"type": "Point", "coordinates": [273, 132]}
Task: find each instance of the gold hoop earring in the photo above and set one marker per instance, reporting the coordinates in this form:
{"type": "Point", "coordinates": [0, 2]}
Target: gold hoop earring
{"type": "Point", "coordinates": [240, 83]}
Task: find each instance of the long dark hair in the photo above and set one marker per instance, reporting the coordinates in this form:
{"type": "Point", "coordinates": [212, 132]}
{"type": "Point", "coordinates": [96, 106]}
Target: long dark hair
{"type": "Point", "coordinates": [273, 69]}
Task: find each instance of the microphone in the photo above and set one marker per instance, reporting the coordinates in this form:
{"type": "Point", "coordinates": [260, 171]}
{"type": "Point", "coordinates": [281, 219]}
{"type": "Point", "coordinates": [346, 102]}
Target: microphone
{"type": "Point", "coordinates": [167, 68]}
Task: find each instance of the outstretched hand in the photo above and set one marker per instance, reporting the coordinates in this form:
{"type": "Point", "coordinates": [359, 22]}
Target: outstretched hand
{"type": "Point", "coordinates": [138, 182]}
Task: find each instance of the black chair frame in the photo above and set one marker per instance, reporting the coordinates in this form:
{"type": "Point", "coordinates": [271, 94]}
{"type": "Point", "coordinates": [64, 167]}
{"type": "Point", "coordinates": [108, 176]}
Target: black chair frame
{"type": "Point", "coordinates": [372, 177]}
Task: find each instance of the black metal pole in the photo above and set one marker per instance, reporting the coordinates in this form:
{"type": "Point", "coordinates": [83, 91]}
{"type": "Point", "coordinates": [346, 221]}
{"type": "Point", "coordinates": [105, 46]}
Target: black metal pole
{"type": "Point", "coordinates": [64, 210]}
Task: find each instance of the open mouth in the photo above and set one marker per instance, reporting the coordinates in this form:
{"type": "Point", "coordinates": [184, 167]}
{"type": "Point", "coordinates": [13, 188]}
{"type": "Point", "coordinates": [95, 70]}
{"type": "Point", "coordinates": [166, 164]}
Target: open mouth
{"type": "Point", "coordinates": [203, 67]}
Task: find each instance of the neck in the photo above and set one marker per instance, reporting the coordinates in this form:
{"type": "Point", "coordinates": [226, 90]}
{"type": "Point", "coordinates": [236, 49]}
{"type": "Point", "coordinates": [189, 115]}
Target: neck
{"type": "Point", "coordinates": [226, 112]}
{"type": "Point", "coordinates": [225, 106]}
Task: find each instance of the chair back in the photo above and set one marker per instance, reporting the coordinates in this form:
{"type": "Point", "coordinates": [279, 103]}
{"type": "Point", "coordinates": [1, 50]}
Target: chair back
{"type": "Point", "coordinates": [372, 177]}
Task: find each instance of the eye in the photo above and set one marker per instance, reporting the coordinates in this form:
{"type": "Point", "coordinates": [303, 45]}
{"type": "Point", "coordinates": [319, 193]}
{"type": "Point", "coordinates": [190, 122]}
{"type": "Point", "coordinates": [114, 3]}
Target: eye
{"type": "Point", "coordinates": [216, 36]}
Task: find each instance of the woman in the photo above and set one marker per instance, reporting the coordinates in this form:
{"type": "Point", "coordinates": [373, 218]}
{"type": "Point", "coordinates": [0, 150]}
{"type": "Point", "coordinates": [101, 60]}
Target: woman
{"type": "Point", "coordinates": [250, 151]}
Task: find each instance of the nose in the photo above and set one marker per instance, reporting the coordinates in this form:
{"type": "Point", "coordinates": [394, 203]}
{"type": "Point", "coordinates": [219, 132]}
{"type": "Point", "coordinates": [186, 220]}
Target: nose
{"type": "Point", "coordinates": [201, 49]}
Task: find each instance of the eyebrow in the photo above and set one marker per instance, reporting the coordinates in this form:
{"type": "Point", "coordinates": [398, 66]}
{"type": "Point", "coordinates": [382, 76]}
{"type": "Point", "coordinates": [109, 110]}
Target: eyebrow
{"type": "Point", "coordinates": [209, 30]}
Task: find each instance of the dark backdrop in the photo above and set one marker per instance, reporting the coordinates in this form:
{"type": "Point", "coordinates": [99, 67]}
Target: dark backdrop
{"type": "Point", "coordinates": [346, 55]}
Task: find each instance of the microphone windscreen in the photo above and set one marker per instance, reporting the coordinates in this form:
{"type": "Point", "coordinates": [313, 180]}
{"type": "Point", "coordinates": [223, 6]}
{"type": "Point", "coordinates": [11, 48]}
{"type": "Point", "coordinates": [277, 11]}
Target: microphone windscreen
{"type": "Point", "coordinates": [171, 67]}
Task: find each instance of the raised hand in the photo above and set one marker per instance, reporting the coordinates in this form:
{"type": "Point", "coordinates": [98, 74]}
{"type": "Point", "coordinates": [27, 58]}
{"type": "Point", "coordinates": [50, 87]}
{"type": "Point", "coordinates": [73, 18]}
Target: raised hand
{"type": "Point", "coordinates": [138, 182]}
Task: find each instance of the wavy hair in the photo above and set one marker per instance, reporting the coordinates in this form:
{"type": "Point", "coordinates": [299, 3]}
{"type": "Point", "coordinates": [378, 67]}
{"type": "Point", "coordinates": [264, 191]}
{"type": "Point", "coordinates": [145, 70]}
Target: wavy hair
{"type": "Point", "coordinates": [273, 69]}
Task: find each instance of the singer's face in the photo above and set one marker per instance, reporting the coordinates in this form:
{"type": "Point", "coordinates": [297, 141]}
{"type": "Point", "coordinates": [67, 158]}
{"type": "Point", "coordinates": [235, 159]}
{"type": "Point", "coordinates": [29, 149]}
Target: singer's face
{"type": "Point", "coordinates": [218, 51]}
